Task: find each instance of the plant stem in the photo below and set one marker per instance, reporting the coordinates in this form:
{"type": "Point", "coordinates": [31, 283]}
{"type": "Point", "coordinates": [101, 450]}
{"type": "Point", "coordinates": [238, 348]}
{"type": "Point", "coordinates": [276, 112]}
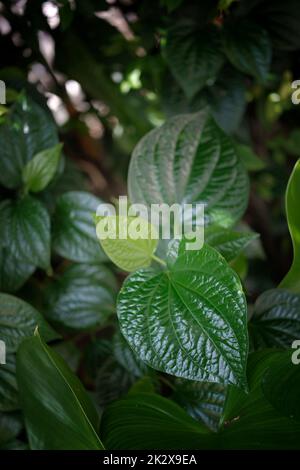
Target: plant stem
{"type": "Point", "coordinates": [159, 260]}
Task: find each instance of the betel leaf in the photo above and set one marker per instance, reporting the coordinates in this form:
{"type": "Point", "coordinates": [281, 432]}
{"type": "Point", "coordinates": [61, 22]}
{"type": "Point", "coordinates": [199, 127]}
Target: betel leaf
{"type": "Point", "coordinates": [248, 48]}
{"type": "Point", "coordinates": [74, 235]}
{"type": "Point", "coordinates": [281, 385]}
{"type": "Point", "coordinates": [40, 170]}
{"type": "Point", "coordinates": [121, 245]}
{"type": "Point", "coordinates": [250, 421]}
{"type": "Point", "coordinates": [9, 400]}
{"type": "Point", "coordinates": [194, 56]}
{"type": "Point", "coordinates": [189, 320]}
{"type": "Point", "coordinates": [292, 198]}
{"type": "Point", "coordinates": [10, 426]}
{"type": "Point", "coordinates": [83, 296]}
{"type": "Point", "coordinates": [59, 414]}
{"type": "Point", "coordinates": [27, 130]}
{"type": "Point", "coordinates": [26, 230]}
{"type": "Point", "coordinates": [275, 321]}
{"type": "Point", "coordinates": [13, 272]}
{"type": "Point", "coordinates": [18, 320]}
{"type": "Point", "coordinates": [190, 160]}
{"type": "Point", "coordinates": [149, 421]}
{"type": "Point", "coordinates": [203, 401]}
{"type": "Point", "coordinates": [228, 242]}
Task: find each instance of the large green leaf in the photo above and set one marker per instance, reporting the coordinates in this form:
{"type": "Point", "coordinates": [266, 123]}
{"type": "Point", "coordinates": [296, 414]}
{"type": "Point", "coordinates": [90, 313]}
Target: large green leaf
{"type": "Point", "coordinates": [190, 160]}
{"type": "Point", "coordinates": [281, 385]}
{"type": "Point", "coordinates": [39, 171]}
{"type": "Point", "coordinates": [74, 234]}
{"type": "Point", "coordinates": [83, 296]}
{"type": "Point", "coordinates": [229, 243]}
{"type": "Point", "coordinates": [190, 320]}
{"type": "Point", "coordinates": [13, 272]}
{"type": "Point", "coordinates": [58, 412]}
{"type": "Point", "coordinates": [10, 426]}
{"type": "Point", "coordinates": [27, 130]}
{"type": "Point", "coordinates": [9, 400]}
{"type": "Point", "coordinates": [203, 401]}
{"type": "Point", "coordinates": [194, 56]}
{"type": "Point", "coordinates": [26, 230]}
{"type": "Point", "coordinates": [149, 421]}
{"type": "Point", "coordinates": [250, 421]}
{"type": "Point", "coordinates": [248, 47]}
{"type": "Point", "coordinates": [292, 279]}
{"type": "Point", "coordinates": [275, 321]}
{"type": "Point", "coordinates": [127, 252]}
{"type": "Point", "coordinates": [18, 320]}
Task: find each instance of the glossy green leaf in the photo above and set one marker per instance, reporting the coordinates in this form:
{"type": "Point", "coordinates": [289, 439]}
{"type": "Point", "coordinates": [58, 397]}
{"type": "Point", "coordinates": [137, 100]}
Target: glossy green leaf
{"type": "Point", "coordinates": [190, 160]}
{"type": "Point", "coordinates": [58, 412]}
{"type": "Point", "coordinates": [275, 321]}
{"type": "Point", "coordinates": [120, 245]}
{"type": "Point", "coordinates": [40, 170]}
{"type": "Point", "coordinates": [126, 357]}
{"type": "Point", "coordinates": [204, 401]}
{"type": "Point", "coordinates": [83, 296]}
{"type": "Point", "coordinates": [18, 320]}
{"type": "Point", "coordinates": [190, 320]}
{"type": "Point", "coordinates": [27, 130]}
{"type": "Point", "coordinates": [194, 56]}
{"type": "Point", "coordinates": [292, 198]}
{"type": "Point", "coordinates": [149, 421]}
{"type": "Point", "coordinates": [281, 385]}
{"type": "Point", "coordinates": [13, 272]}
{"type": "Point", "coordinates": [248, 47]}
{"type": "Point", "coordinates": [9, 400]}
{"type": "Point", "coordinates": [229, 243]}
{"type": "Point", "coordinates": [26, 231]}
{"type": "Point", "coordinates": [250, 421]}
{"type": "Point", "coordinates": [74, 234]}
{"type": "Point", "coordinates": [10, 426]}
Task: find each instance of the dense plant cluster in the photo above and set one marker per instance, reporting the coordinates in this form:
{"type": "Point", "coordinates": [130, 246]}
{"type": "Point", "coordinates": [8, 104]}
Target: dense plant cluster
{"type": "Point", "coordinates": [170, 101]}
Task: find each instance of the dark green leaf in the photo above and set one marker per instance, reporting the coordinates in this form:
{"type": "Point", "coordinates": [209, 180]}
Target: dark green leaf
{"type": "Point", "coordinates": [13, 272]}
{"type": "Point", "coordinates": [276, 319]}
{"type": "Point", "coordinates": [58, 412]}
{"type": "Point", "coordinates": [26, 131]}
{"type": "Point", "coordinates": [18, 320]}
{"type": "Point", "coordinates": [248, 47]}
{"type": "Point", "coordinates": [74, 233]}
{"type": "Point", "coordinates": [10, 426]}
{"type": "Point", "coordinates": [229, 243]}
{"type": "Point", "coordinates": [188, 321]}
{"type": "Point", "coordinates": [194, 56]}
{"type": "Point", "coordinates": [26, 231]}
{"type": "Point", "coordinates": [83, 296]}
{"type": "Point", "coordinates": [8, 385]}
{"type": "Point", "coordinates": [190, 160]}
{"type": "Point", "coordinates": [149, 421]}
{"type": "Point", "coordinates": [251, 161]}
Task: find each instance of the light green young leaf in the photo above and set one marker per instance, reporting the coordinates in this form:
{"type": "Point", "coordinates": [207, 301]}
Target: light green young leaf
{"type": "Point", "coordinates": [292, 200]}
{"type": "Point", "coordinates": [59, 414]}
{"type": "Point", "coordinates": [190, 320]}
{"type": "Point", "coordinates": [39, 171]}
{"type": "Point", "coordinates": [117, 238]}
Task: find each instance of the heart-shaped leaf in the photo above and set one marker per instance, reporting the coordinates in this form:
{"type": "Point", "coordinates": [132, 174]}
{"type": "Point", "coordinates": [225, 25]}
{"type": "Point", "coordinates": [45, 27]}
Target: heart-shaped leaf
{"type": "Point", "coordinates": [59, 414]}
{"type": "Point", "coordinates": [248, 47]}
{"type": "Point", "coordinates": [292, 198]}
{"type": "Point", "coordinates": [276, 319]}
{"type": "Point", "coordinates": [26, 231]}
{"type": "Point", "coordinates": [229, 243]}
{"type": "Point", "coordinates": [27, 130]}
{"type": "Point", "coordinates": [190, 160]}
{"type": "Point", "coordinates": [190, 320]}
{"type": "Point", "coordinates": [82, 297]}
{"type": "Point", "coordinates": [18, 320]}
{"type": "Point", "coordinates": [126, 251]}
{"type": "Point", "coordinates": [74, 235]}
{"type": "Point", "coordinates": [13, 272]}
{"type": "Point", "coordinates": [40, 170]}
{"type": "Point", "coordinates": [194, 56]}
